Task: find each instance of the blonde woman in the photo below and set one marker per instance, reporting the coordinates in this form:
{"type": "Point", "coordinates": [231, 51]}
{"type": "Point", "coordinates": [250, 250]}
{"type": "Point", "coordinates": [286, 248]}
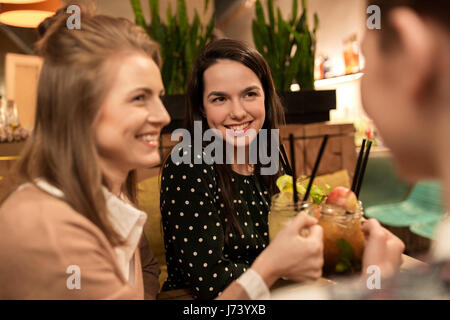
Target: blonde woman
{"type": "Point", "coordinates": [69, 223]}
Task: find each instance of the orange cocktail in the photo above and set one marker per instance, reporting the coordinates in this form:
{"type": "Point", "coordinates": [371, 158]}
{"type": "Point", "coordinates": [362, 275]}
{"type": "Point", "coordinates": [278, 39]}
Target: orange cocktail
{"type": "Point", "coordinates": [343, 239]}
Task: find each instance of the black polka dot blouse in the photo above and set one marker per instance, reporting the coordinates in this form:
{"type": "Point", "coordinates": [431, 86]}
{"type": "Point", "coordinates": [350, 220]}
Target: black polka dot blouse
{"type": "Point", "coordinates": [194, 221]}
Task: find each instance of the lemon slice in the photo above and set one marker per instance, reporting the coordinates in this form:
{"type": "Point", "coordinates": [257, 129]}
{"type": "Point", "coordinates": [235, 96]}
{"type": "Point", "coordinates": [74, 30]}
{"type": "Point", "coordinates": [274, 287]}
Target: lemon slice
{"type": "Point", "coordinates": [284, 183]}
{"type": "Point", "coordinates": [300, 188]}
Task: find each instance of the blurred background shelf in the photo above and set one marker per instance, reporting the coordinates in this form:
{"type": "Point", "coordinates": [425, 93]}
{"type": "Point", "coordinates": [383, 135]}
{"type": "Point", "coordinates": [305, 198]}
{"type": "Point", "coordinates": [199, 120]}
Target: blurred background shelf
{"type": "Point", "coordinates": [9, 153]}
{"type": "Point", "coordinates": [11, 148]}
{"type": "Point", "coordinates": [337, 80]}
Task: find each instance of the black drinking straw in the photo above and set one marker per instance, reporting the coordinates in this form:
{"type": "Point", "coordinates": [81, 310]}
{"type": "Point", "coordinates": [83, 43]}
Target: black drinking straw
{"type": "Point", "coordinates": [316, 166]}
{"type": "Point", "coordinates": [283, 164]}
{"type": "Point", "coordinates": [358, 165]}
{"type": "Point", "coordinates": [294, 174]}
{"type": "Point", "coordinates": [284, 161]}
{"type": "Point", "coordinates": [363, 169]}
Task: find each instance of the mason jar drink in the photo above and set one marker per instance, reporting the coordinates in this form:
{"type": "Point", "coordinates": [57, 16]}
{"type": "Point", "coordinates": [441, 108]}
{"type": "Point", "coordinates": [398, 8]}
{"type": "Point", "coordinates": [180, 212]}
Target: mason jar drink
{"type": "Point", "coordinates": [343, 239]}
{"type": "Point", "coordinates": [283, 209]}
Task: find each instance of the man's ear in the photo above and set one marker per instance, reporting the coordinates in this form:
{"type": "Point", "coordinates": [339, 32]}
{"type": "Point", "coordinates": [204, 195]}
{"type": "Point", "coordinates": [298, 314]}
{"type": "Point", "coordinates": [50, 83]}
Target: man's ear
{"type": "Point", "coordinates": [416, 48]}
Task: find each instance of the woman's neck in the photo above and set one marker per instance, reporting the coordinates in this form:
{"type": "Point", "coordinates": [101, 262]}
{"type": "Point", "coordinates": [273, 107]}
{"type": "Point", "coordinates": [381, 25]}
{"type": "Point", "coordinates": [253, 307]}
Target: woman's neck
{"type": "Point", "coordinates": [115, 177]}
{"type": "Point", "coordinates": [241, 163]}
{"type": "Point", "coordinates": [115, 186]}
{"type": "Point", "coordinates": [243, 169]}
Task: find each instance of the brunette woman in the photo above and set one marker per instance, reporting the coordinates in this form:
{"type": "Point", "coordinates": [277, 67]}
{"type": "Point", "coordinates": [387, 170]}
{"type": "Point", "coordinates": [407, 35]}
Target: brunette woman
{"type": "Point", "coordinates": [215, 216]}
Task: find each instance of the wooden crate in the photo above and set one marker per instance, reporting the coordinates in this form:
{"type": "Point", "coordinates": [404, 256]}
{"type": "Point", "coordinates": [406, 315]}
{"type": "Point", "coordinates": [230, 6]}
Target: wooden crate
{"type": "Point", "coordinates": [340, 152]}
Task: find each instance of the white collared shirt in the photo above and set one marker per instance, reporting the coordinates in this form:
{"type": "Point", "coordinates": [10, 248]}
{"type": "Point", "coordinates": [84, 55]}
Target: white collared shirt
{"type": "Point", "coordinates": [126, 220]}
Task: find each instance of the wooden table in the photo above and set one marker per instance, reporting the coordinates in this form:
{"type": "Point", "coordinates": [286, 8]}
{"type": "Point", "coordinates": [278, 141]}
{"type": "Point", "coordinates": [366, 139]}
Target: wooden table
{"type": "Point", "coordinates": [289, 290]}
{"type": "Point", "coordinates": [178, 294]}
{"type": "Point", "coordinates": [285, 287]}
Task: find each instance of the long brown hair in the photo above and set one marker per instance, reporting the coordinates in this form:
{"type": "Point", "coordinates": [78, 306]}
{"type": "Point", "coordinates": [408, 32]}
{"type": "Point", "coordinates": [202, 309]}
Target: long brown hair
{"type": "Point", "coordinates": [74, 81]}
{"type": "Point", "coordinates": [240, 52]}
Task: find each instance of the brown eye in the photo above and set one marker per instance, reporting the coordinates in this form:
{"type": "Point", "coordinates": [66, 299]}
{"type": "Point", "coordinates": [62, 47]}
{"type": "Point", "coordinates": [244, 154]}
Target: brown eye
{"type": "Point", "coordinates": [218, 99]}
{"type": "Point", "coordinates": [139, 98]}
{"type": "Point", "coordinates": [251, 94]}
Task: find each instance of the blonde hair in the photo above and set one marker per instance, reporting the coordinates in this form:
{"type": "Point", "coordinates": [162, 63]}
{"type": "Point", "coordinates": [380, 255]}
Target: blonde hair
{"type": "Point", "coordinates": [73, 82]}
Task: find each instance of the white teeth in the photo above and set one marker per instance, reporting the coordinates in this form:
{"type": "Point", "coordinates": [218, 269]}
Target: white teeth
{"type": "Point", "coordinates": [240, 127]}
{"type": "Point", "coordinates": [148, 138]}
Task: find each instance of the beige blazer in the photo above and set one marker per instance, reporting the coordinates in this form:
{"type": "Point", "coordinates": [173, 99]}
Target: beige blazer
{"type": "Point", "coordinates": [41, 237]}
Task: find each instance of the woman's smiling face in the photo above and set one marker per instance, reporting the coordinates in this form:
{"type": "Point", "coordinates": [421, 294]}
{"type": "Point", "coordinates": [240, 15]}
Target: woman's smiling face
{"type": "Point", "coordinates": [233, 100]}
{"type": "Point", "coordinates": [130, 120]}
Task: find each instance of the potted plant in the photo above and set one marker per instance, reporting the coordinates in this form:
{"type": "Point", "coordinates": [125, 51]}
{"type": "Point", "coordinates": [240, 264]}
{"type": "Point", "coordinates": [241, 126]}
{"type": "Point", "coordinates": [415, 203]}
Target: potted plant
{"type": "Point", "coordinates": [289, 46]}
{"type": "Point", "coordinates": [180, 41]}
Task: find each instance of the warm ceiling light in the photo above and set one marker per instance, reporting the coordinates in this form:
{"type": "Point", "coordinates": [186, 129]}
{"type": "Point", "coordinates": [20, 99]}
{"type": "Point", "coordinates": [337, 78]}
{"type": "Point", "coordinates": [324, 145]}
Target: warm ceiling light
{"type": "Point", "coordinates": [27, 15]}
{"type": "Point", "coordinates": [24, 18]}
{"type": "Point", "coordinates": [20, 1]}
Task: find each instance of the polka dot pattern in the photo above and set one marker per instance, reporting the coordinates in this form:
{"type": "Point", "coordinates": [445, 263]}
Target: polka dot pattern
{"type": "Point", "coordinates": [194, 228]}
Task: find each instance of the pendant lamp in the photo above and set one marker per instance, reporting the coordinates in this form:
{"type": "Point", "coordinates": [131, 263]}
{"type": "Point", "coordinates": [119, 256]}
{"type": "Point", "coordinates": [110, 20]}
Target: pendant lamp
{"type": "Point", "coordinates": [27, 13]}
